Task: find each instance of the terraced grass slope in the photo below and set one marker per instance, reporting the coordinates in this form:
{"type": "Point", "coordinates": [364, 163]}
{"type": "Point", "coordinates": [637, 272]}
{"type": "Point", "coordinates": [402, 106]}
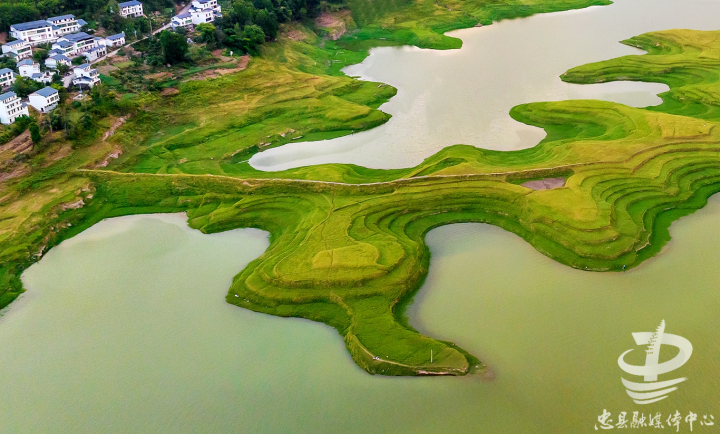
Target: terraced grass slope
{"type": "Point", "coordinates": [350, 255]}
{"type": "Point", "coordinates": [347, 243]}
{"type": "Point", "coordinates": [229, 118]}
{"type": "Point", "coordinates": [686, 60]}
{"type": "Point", "coordinates": [294, 91]}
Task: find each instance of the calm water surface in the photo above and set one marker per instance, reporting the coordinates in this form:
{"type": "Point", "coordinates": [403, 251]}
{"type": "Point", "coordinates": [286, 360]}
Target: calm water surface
{"type": "Point", "coordinates": [464, 96]}
{"type": "Point", "coordinates": [125, 328]}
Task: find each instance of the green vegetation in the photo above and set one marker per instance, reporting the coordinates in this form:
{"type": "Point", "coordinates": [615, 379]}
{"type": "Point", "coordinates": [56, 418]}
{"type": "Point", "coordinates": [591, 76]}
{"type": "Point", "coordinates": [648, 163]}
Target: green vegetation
{"type": "Point", "coordinates": [174, 47]}
{"type": "Point", "coordinates": [97, 13]}
{"type": "Point", "coordinates": [347, 243]}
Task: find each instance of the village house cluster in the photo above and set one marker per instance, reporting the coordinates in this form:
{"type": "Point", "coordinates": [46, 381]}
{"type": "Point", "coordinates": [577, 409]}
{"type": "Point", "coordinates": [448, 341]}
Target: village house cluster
{"type": "Point", "coordinates": [201, 11]}
{"type": "Point", "coordinates": [66, 40]}
{"type": "Point", "coordinates": [12, 107]}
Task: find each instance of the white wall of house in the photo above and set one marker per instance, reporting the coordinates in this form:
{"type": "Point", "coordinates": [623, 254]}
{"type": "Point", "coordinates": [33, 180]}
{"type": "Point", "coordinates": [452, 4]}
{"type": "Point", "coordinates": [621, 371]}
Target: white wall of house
{"type": "Point", "coordinates": [28, 70]}
{"type": "Point", "coordinates": [66, 23]}
{"type": "Point", "coordinates": [7, 78]}
{"type": "Point", "coordinates": [209, 4]}
{"type": "Point", "coordinates": [53, 62]}
{"type": "Point", "coordinates": [95, 53]}
{"type": "Point", "coordinates": [78, 45]}
{"type": "Point", "coordinates": [41, 32]}
{"type": "Point", "coordinates": [84, 75]}
{"type": "Point", "coordinates": [44, 104]}
{"type": "Point", "coordinates": [131, 11]}
{"type": "Point", "coordinates": [11, 108]}
{"type": "Point", "coordinates": [202, 16]}
{"type": "Point", "coordinates": [20, 48]}
{"type": "Point", "coordinates": [178, 21]}
{"type": "Point", "coordinates": [117, 41]}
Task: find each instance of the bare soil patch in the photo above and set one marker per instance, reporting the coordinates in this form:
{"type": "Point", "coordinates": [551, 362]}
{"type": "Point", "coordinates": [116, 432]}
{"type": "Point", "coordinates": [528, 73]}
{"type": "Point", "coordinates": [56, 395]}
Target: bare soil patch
{"type": "Point", "coordinates": [16, 172]}
{"type": "Point", "coordinates": [241, 65]}
{"type": "Point", "coordinates": [18, 145]}
{"type": "Point", "coordinates": [114, 154]}
{"type": "Point", "coordinates": [296, 35]}
{"type": "Point", "coordinates": [545, 184]}
{"type": "Point", "coordinates": [334, 23]}
{"type": "Point", "coordinates": [158, 75]}
{"type": "Point", "coordinates": [58, 154]}
{"type": "Point", "coordinates": [118, 123]}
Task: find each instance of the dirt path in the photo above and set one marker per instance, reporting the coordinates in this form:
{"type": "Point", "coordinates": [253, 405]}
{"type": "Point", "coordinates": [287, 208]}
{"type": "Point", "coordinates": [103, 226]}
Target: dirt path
{"type": "Point", "coordinates": [118, 123]}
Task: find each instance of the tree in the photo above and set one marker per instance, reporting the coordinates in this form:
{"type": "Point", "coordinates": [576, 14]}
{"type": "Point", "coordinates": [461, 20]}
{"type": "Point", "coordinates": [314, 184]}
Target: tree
{"type": "Point", "coordinates": [62, 92]}
{"type": "Point", "coordinates": [174, 47]}
{"type": "Point", "coordinates": [24, 86]}
{"type": "Point", "coordinates": [268, 22]}
{"type": "Point", "coordinates": [35, 133]}
{"type": "Point", "coordinates": [40, 54]}
{"type": "Point", "coordinates": [198, 53]}
{"type": "Point", "coordinates": [207, 33]}
{"type": "Point", "coordinates": [252, 37]}
{"type": "Point", "coordinates": [142, 25]}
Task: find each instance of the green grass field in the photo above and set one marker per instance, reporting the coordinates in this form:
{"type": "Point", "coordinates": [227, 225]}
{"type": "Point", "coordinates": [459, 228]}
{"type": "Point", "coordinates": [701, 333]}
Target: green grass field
{"type": "Point", "coordinates": [347, 243]}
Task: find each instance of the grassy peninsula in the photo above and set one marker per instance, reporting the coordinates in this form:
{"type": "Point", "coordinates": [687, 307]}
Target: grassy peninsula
{"type": "Point", "coordinates": [347, 243]}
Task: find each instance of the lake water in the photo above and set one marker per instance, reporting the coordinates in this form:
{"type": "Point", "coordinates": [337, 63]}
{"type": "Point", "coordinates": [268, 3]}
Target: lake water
{"type": "Point", "coordinates": [125, 328]}
{"type": "Point", "coordinates": [464, 96]}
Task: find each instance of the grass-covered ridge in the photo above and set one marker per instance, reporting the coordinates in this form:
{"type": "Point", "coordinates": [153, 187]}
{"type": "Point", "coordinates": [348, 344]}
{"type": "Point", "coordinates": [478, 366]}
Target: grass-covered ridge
{"type": "Point", "coordinates": [347, 243]}
{"type": "Point", "coordinates": [347, 255]}
{"type": "Point", "coordinates": [294, 90]}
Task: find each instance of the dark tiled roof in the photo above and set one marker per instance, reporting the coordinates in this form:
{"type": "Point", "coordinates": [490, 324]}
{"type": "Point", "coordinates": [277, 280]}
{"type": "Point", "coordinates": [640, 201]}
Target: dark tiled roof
{"type": "Point", "coordinates": [47, 92]}
{"type": "Point", "coordinates": [11, 43]}
{"type": "Point", "coordinates": [31, 25]}
{"type": "Point", "coordinates": [7, 95]}
{"type": "Point", "coordinates": [61, 17]}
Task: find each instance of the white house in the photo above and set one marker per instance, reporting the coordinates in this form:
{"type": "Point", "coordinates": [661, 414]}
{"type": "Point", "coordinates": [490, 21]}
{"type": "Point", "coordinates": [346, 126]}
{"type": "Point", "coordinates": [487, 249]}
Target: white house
{"type": "Point", "coordinates": [55, 61]}
{"type": "Point", "coordinates": [85, 76]}
{"type": "Point", "coordinates": [28, 67]}
{"type": "Point", "coordinates": [35, 32]}
{"type": "Point", "coordinates": [131, 9]}
{"type": "Point", "coordinates": [11, 108]}
{"type": "Point", "coordinates": [201, 11]}
{"type": "Point", "coordinates": [95, 53]}
{"type": "Point", "coordinates": [206, 4]}
{"type": "Point", "coordinates": [200, 16]}
{"type": "Point", "coordinates": [182, 20]}
{"type": "Point", "coordinates": [45, 99]}
{"type": "Point", "coordinates": [75, 44]}
{"type": "Point", "coordinates": [18, 49]}
{"type": "Point", "coordinates": [66, 23]}
{"type": "Point", "coordinates": [7, 77]}
{"type": "Point", "coordinates": [43, 77]}
{"type": "Point", "coordinates": [66, 48]}
{"type": "Point", "coordinates": [115, 40]}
